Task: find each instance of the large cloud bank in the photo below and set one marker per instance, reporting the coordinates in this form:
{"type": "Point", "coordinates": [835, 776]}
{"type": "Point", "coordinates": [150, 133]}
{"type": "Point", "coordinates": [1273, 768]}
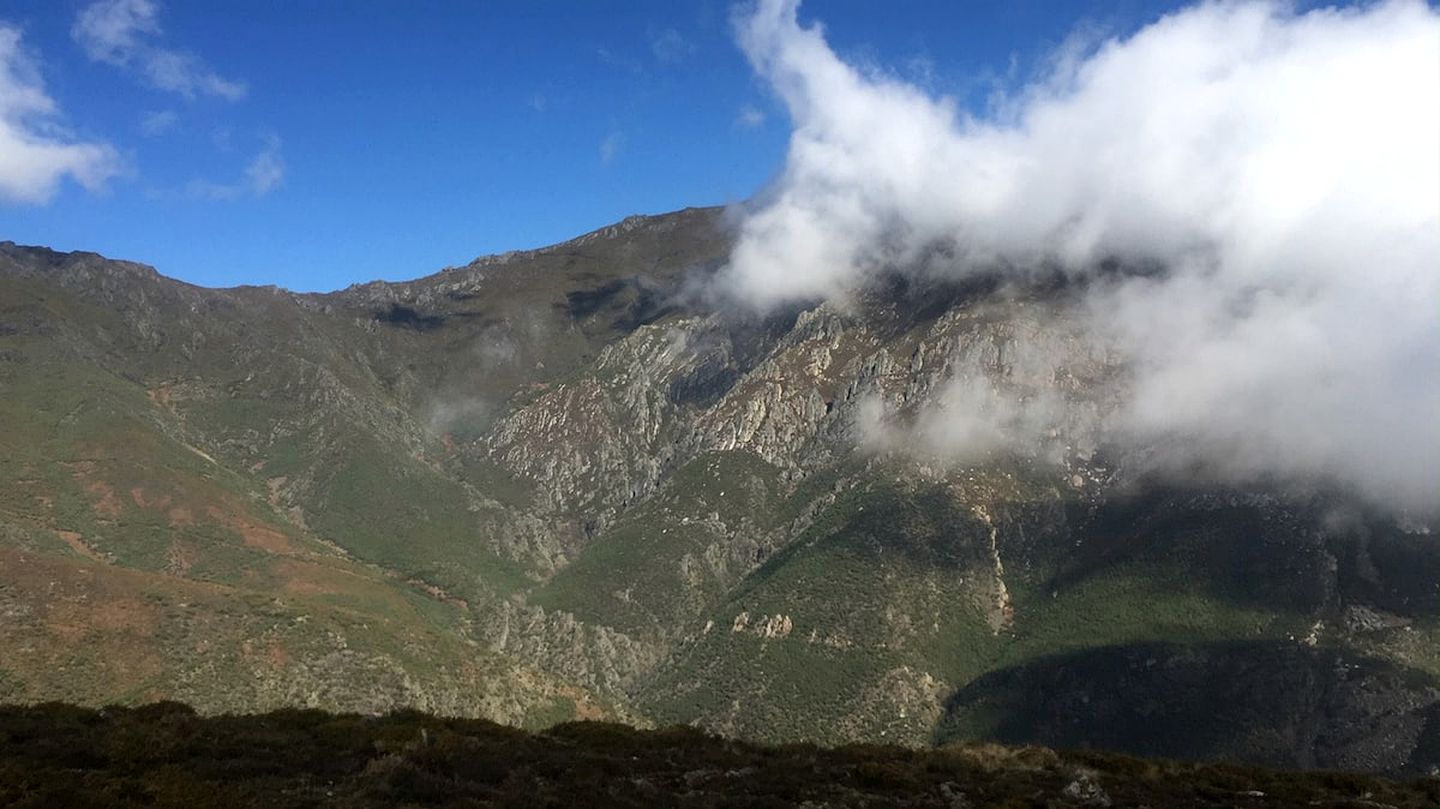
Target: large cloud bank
{"type": "Point", "coordinates": [1283, 167]}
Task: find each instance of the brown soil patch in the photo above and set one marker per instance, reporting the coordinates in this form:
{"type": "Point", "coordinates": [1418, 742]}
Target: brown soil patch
{"type": "Point", "coordinates": [77, 543]}
{"type": "Point", "coordinates": [276, 655]}
{"type": "Point", "coordinates": [265, 538]}
{"type": "Point", "coordinates": [161, 395]}
{"type": "Point", "coordinates": [106, 504]}
{"type": "Point", "coordinates": [142, 500]}
{"type": "Point", "coordinates": [438, 593]}
{"type": "Point", "coordinates": [79, 469]}
{"type": "Point", "coordinates": [308, 578]}
{"type": "Point", "coordinates": [66, 623]}
{"type": "Point", "coordinates": [253, 534]}
{"type": "Point", "coordinates": [110, 505]}
{"type": "Point", "coordinates": [124, 614]}
{"type": "Point", "coordinates": [303, 587]}
{"type": "Point", "coordinates": [74, 620]}
{"type": "Point", "coordinates": [179, 516]}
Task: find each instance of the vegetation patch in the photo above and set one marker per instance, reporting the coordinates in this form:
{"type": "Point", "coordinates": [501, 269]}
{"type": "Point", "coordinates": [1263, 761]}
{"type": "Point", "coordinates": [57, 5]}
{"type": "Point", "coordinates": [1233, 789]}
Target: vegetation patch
{"type": "Point", "coordinates": [164, 754]}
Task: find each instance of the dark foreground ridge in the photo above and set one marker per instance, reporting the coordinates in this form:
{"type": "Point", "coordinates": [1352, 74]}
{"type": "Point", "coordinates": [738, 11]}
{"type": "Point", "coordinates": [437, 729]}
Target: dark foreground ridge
{"type": "Point", "coordinates": [165, 754]}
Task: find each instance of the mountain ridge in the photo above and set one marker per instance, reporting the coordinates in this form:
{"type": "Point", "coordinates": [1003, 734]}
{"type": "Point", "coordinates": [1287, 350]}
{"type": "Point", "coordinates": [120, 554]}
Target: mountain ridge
{"type": "Point", "coordinates": [616, 501]}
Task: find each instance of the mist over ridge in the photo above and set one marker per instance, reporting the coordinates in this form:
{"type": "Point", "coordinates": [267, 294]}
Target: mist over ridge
{"type": "Point", "coordinates": [1280, 168]}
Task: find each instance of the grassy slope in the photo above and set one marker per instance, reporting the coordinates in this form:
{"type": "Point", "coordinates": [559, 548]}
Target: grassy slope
{"type": "Point", "coordinates": [243, 483]}
{"type": "Point", "coordinates": [138, 567]}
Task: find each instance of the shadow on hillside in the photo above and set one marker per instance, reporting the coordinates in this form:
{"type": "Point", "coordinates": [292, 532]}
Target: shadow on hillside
{"type": "Point", "coordinates": [1269, 703]}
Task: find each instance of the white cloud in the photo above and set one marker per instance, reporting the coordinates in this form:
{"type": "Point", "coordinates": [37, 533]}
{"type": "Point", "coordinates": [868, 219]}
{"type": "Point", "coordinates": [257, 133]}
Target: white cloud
{"type": "Point", "coordinates": [158, 122]}
{"type": "Point", "coordinates": [749, 117]}
{"type": "Point", "coordinates": [36, 154]}
{"type": "Point", "coordinates": [264, 173]}
{"type": "Point", "coordinates": [122, 33]}
{"type": "Point", "coordinates": [1282, 166]}
{"type": "Point", "coordinates": [611, 146]}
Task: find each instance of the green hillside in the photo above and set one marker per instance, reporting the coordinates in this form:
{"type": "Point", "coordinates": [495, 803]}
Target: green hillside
{"type": "Point", "coordinates": [555, 484]}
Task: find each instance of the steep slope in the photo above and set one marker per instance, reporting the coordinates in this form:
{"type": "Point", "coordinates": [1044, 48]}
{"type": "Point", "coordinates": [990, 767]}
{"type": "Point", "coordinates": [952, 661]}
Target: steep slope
{"type": "Point", "coordinates": [562, 470]}
{"type": "Point", "coordinates": [261, 444]}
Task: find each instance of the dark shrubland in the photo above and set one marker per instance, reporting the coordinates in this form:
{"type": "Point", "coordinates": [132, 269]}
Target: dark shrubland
{"type": "Point", "coordinates": [165, 754]}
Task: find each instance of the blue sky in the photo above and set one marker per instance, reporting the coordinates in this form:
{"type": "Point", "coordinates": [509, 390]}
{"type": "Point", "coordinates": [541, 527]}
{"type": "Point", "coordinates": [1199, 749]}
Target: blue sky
{"type": "Point", "coordinates": [316, 144]}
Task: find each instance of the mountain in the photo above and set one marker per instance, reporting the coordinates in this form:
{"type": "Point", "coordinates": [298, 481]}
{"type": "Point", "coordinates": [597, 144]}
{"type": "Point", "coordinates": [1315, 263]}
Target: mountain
{"type": "Point", "coordinates": [565, 483]}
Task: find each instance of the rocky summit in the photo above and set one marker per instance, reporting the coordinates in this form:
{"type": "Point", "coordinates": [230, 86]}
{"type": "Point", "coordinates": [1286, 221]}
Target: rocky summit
{"type": "Point", "coordinates": [569, 484]}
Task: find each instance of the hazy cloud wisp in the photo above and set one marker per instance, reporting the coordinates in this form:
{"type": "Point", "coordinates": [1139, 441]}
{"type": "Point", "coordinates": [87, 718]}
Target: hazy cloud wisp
{"type": "Point", "coordinates": [611, 146]}
{"type": "Point", "coordinates": [123, 33]}
{"type": "Point", "coordinates": [158, 122]}
{"type": "Point", "coordinates": [749, 117]}
{"type": "Point", "coordinates": [264, 173]}
{"type": "Point", "coordinates": [1281, 166]}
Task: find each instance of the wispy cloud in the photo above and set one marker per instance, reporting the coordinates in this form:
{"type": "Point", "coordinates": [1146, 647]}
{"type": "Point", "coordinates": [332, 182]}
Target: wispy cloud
{"type": "Point", "coordinates": [124, 33]}
{"type": "Point", "coordinates": [670, 46]}
{"type": "Point", "coordinates": [749, 117]}
{"type": "Point", "coordinates": [264, 173]}
{"type": "Point", "coordinates": [158, 122]}
{"type": "Point", "coordinates": [36, 153]}
{"type": "Point", "coordinates": [611, 146]}
{"type": "Point", "coordinates": [1280, 166]}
